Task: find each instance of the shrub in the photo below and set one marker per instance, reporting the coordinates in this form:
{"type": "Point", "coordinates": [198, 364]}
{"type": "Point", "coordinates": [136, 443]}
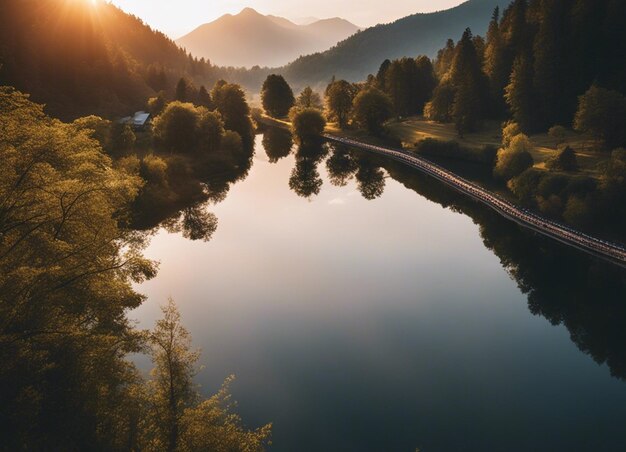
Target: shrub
{"type": "Point", "coordinates": [514, 159]}
{"type": "Point", "coordinates": [307, 124]}
{"type": "Point", "coordinates": [564, 160]}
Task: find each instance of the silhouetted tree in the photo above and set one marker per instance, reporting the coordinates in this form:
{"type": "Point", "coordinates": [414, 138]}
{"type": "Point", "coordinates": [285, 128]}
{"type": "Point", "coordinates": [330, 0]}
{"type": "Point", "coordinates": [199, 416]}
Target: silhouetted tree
{"type": "Point", "coordinates": [277, 96]}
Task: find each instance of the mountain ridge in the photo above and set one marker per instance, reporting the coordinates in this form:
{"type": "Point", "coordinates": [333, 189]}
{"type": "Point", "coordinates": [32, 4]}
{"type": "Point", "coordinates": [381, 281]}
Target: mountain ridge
{"type": "Point", "coordinates": [251, 39]}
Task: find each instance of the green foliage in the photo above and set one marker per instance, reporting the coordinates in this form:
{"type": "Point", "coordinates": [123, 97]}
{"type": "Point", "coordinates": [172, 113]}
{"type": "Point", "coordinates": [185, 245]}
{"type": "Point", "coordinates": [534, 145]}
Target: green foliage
{"type": "Point", "coordinates": [339, 97]}
{"type": "Point", "coordinates": [514, 159]}
{"type": "Point", "coordinates": [469, 83]}
{"type": "Point", "coordinates": [409, 83]}
{"type": "Point", "coordinates": [277, 96]}
{"type": "Point", "coordinates": [309, 99]}
{"type": "Point", "coordinates": [157, 104]}
{"type": "Point", "coordinates": [175, 129]}
{"type": "Point", "coordinates": [510, 130]}
{"type": "Point", "coordinates": [122, 139]}
{"type": "Point", "coordinates": [62, 246]}
{"type": "Point", "coordinates": [184, 91]}
{"type": "Point", "coordinates": [232, 142]}
{"type": "Point", "coordinates": [307, 124]}
{"type": "Point", "coordinates": [210, 130]}
{"type": "Point", "coordinates": [204, 98]}
{"type": "Point", "coordinates": [519, 93]}
{"type": "Point", "coordinates": [602, 113]}
{"type": "Point", "coordinates": [440, 107]}
{"type": "Point", "coordinates": [230, 101]}
{"type": "Point", "coordinates": [184, 128]}
{"type": "Point", "coordinates": [371, 109]}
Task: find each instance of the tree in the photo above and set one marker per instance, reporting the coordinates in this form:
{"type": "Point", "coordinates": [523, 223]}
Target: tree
{"type": "Point", "coordinates": [210, 130]}
{"type": "Point", "coordinates": [277, 96]}
{"type": "Point", "coordinates": [157, 104]}
{"type": "Point", "coordinates": [307, 124]}
{"type": "Point", "coordinates": [309, 99]}
{"type": "Point", "coordinates": [122, 138]}
{"type": "Point", "coordinates": [514, 159]}
{"type": "Point", "coordinates": [64, 247]}
{"type": "Point", "coordinates": [176, 127]}
{"type": "Point", "coordinates": [440, 108]}
{"type": "Point", "coordinates": [230, 101]}
{"type": "Point", "coordinates": [204, 98]}
{"type": "Point", "coordinates": [171, 386]}
{"type": "Point", "coordinates": [602, 113]}
{"type": "Point", "coordinates": [372, 108]}
{"type": "Point", "coordinates": [339, 97]}
{"type": "Point", "coordinates": [381, 75]}
{"type": "Point", "coordinates": [564, 160]}
{"type": "Point", "coordinates": [519, 93]}
{"type": "Point", "coordinates": [468, 80]}
{"type": "Point", "coordinates": [183, 90]}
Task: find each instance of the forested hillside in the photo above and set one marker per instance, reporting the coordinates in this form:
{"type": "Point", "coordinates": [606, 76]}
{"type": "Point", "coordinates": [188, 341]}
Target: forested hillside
{"type": "Point", "coordinates": [81, 58]}
{"type": "Point", "coordinates": [419, 34]}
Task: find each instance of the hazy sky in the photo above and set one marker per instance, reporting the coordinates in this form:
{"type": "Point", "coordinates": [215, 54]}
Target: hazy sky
{"type": "Point", "coordinates": [176, 18]}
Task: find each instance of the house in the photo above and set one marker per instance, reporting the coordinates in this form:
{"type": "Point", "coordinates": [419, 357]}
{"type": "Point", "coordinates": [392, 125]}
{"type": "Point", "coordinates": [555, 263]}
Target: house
{"type": "Point", "coordinates": [138, 121]}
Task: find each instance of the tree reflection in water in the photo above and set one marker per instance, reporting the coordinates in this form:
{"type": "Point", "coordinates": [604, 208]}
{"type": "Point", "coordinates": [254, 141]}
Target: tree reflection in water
{"type": "Point", "coordinates": [179, 190]}
{"type": "Point", "coordinates": [277, 143]}
{"type": "Point", "coordinates": [305, 179]}
{"type": "Point", "coordinates": [567, 287]}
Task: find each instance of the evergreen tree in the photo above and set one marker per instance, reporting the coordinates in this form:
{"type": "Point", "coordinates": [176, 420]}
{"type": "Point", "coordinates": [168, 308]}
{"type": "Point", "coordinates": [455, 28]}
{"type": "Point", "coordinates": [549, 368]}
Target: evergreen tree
{"type": "Point", "coordinates": [468, 80]}
{"type": "Point", "coordinates": [519, 93]}
{"type": "Point", "coordinates": [204, 98]}
{"type": "Point", "coordinates": [183, 90]}
{"type": "Point", "coordinates": [382, 74]}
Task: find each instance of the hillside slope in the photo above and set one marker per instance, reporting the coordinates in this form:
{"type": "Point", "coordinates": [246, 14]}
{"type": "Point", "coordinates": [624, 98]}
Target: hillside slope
{"type": "Point", "coordinates": [419, 34]}
{"type": "Point", "coordinates": [251, 39]}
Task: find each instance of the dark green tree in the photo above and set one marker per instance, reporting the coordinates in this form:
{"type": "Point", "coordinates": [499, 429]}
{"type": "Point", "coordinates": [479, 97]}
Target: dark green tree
{"type": "Point", "coordinates": [372, 108]}
{"type": "Point", "coordinates": [277, 96]}
{"type": "Point", "coordinates": [519, 93]}
{"type": "Point", "coordinates": [602, 113]}
{"type": "Point", "coordinates": [339, 97]}
{"type": "Point", "coordinates": [307, 124]}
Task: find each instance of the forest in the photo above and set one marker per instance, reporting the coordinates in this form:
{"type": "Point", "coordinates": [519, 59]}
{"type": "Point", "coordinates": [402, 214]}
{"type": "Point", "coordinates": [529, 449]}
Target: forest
{"type": "Point", "coordinates": [544, 67]}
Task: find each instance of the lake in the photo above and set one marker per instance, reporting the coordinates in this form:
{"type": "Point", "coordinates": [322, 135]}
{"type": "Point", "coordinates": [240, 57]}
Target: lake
{"type": "Point", "coordinates": [364, 307]}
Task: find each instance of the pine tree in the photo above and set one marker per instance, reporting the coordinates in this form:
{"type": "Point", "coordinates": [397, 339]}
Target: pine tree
{"type": "Point", "coordinates": [519, 93]}
{"type": "Point", "coordinates": [468, 80]}
{"type": "Point", "coordinates": [183, 89]}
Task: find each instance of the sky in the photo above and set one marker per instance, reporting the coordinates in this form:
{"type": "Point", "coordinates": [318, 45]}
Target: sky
{"type": "Point", "coordinates": [176, 18]}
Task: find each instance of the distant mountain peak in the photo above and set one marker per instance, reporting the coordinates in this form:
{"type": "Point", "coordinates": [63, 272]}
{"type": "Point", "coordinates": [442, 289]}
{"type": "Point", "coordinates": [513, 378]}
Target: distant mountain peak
{"type": "Point", "coordinates": [253, 39]}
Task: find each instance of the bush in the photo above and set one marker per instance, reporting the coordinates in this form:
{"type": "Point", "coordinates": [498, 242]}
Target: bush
{"type": "Point", "coordinates": [558, 133]}
{"type": "Point", "coordinates": [510, 129]}
{"type": "Point", "coordinates": [307, 124]}
{"type": "Point", "coordinates": [514, 159]}
{"type": "Point", "coordinates": [564, 160]}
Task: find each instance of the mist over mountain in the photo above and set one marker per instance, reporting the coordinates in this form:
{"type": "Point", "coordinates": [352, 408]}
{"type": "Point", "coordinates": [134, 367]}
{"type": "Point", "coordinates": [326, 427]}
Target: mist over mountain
{"type": "Point", "coordinates": [418, 34]}
{"type": "Point", "coordinates": [251, 39]}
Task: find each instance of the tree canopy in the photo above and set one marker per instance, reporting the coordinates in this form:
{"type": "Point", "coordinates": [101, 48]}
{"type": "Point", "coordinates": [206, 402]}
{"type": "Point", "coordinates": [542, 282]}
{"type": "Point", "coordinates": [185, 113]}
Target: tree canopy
{"type": "Point", "coordinates": [277, 96]}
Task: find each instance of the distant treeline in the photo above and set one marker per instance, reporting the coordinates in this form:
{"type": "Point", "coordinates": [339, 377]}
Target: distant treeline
{"type": "Point", "coordinates": [81, 59]}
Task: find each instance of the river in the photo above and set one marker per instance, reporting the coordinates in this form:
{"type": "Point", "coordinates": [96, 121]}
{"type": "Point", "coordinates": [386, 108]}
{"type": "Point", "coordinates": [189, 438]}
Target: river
{"type": "Point", "coordinates": [363, 307]}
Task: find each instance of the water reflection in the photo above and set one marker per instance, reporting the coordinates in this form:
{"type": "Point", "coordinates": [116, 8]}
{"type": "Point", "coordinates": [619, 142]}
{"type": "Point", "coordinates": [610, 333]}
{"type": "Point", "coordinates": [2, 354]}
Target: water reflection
{"type": "Point", "coordinates": [305, 179]}
{"type": "Point", "coordinates": [563, 285]}
{"type": "Point", "coordinates": [387, 325]}
{"type": "Point", "coordinates": [277, 143]}
{"type": "Point", "coordinates": [180, 189]}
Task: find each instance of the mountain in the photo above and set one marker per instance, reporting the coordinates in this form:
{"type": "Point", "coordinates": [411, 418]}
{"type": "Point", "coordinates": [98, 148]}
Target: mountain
{"type": "Point", "coordinates": [251, 39]}
{"type": "Point", "coordinates": [419, 34]}
{"type": "Point", "coordinates": [81, 58]}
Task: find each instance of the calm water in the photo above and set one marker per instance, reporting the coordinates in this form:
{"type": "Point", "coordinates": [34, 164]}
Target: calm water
{"type": "Point", "coordinates": [395, 323]}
